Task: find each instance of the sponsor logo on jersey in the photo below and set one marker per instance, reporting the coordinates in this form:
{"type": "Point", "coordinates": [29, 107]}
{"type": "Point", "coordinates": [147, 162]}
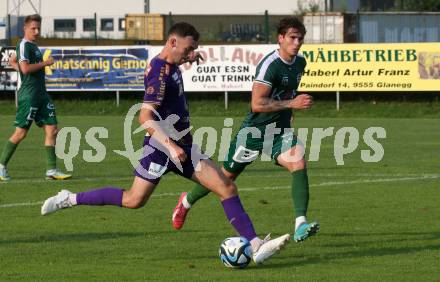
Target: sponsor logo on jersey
{"type": "Point", "coordinates": [150, 90]}
{"type": "Point", "coordinates": [176, 77]}
{"type": "Point", "coordinates": [285, 81]}
{"type": "Point", "coordinates": [156, 169]}
{"type": "Point", "coordinates": [50, 106]}
{"type": "Point", "coordinates": [298, 78]}
{"type": "Point", "coordinates": [244, 155]}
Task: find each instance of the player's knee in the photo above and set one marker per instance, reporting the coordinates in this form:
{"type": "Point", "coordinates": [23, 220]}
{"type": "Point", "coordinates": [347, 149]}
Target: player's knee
{"type": "Point", "coordinates": [52, 133]}
{"type": "Point", "coordinates": [229, 175]}
{"type": "Point", "coordinates": [18, 136]}
{"type": "Point", "coordinates": [230, 190]}
{"type": "Point", "coordinates": [301, 164]}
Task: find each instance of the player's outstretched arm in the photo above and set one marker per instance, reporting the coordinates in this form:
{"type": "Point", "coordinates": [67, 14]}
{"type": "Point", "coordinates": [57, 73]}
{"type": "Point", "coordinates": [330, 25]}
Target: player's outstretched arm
{"type": "Point", "coordinates": [27, 68]}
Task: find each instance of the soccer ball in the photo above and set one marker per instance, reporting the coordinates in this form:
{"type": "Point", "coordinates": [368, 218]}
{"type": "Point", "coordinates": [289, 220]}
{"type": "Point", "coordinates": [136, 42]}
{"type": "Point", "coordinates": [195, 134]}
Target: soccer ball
{"type": "Point", "coordinates": [235, 252]}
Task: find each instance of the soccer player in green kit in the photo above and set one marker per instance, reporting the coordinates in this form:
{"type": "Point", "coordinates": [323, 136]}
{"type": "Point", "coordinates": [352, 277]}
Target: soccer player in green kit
{"type": "Point", "coordinates": [34, 103]}
{"type": "Point", "coordinates": [273, 99]}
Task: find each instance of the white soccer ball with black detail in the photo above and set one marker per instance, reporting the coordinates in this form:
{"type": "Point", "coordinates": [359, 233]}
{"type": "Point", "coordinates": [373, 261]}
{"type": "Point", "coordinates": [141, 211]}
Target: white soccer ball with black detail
{"type": "Point", "coordinates": [235, 252]}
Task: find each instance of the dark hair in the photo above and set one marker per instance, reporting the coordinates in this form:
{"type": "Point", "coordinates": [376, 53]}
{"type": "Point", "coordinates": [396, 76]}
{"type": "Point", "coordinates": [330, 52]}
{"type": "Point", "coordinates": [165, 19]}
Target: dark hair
{"type": "Point", "coordinates": [290, 22]}
{"type": "Point", "coordinates": [183, 29]}
{"type": "Point", "coordinates": [32, 18]}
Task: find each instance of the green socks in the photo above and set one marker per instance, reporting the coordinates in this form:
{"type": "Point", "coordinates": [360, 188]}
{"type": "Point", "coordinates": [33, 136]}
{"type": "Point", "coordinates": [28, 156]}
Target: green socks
{"type": "Point", "coordinates": [51, 157]}
{"type": "Point", "coordinates": [300, 192]}
{"type": "Point", "coordinates": [196, 194]}
{"type": "Point", "coordinates": [7, 153]}
{"type": "Point", "coordinates": [9, 150]}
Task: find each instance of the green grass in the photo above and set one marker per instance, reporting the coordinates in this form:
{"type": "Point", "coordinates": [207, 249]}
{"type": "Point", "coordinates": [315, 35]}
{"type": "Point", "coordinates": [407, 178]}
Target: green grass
{"type": "Point", "coordinates": [379, 221]}
{"type": "Point", "coordinates": [371, 109]}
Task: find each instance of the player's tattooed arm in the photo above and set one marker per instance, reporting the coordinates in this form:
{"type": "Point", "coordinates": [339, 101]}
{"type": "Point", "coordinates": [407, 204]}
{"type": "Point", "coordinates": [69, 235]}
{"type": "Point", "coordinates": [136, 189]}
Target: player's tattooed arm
{"type": "Point", "coordinates": [263, 103]}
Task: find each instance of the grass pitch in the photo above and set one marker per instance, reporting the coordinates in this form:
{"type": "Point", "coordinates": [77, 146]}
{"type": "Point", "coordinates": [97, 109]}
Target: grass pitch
{"type": "Point", "coordinates": [379, 221]}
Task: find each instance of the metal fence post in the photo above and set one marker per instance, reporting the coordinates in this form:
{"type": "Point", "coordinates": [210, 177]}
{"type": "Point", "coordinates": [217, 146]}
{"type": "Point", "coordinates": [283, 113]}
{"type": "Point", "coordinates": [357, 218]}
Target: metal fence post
{"type": "Point", "coordinates": [117, 98]}
{"type": "Point", "coordinates": [337, 100]}
{"type": "Point", "coordinates": [9, 30]}
{"type": "Point", "coordinates": [226, 100]}
{"type": "Point", "coordinates": [266, 26]}
{"type": "Point", "coordinates": [169, 22]}
{"type": "Point", "coordinates": [96, 29]}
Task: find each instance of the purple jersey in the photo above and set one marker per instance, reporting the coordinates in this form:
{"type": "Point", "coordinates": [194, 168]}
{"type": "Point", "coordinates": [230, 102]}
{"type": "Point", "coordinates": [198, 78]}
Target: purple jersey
{"type": "Point", "coordinates": [164, 87]}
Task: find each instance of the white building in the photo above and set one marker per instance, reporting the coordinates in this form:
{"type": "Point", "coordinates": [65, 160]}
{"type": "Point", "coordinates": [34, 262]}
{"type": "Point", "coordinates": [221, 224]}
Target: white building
{"type": "Point", "coordinates": [228, 7]}
{"type": "Point", "coordinates": [72, 19]}
{"type": "Point", "coordinates": [75, 19]}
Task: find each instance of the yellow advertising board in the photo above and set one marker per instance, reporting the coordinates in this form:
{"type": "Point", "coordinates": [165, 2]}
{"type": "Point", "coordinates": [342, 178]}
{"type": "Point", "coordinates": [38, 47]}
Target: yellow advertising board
{"type": "Point", "coordinates": [372, 67]}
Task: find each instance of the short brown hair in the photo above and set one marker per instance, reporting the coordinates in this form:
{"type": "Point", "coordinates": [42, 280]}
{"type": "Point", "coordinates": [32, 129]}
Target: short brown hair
{"type": "Point", "coordinates": [32, 18]}
{"type": "Point", "coordinates": [290, 22]}
{"type": "Point", "coordinates": [184, 29]}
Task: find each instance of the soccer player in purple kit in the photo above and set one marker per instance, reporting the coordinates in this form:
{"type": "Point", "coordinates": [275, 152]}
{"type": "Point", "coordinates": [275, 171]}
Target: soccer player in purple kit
{"type": "Point", "coordinates": [165, 151]}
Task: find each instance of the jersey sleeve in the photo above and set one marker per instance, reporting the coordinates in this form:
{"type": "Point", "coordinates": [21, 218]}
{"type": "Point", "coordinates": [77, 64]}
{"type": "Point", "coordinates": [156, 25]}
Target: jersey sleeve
{"type": "Point", "coordinates": [156, 83]}
{"type": "Point", "coordinates": [265, 75]}
{"type": "Point", "coordinates": [24, 52]}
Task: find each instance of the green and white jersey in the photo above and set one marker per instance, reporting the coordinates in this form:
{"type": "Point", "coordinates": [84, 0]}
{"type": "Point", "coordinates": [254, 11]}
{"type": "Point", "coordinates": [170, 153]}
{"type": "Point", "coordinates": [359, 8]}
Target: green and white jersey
{"type": "Point", "coordinates": [283, 78]}
{"type": "Point", "coordinates": [33, 85]}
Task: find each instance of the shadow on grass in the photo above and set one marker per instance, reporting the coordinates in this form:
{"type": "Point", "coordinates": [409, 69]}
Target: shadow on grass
{"type": "Point", "coordinates": [76, 237]}
{"type": "Point", "coordinates": [362, 250]}
{"type": "Point", "coordinates": [84, 237]}
{"type": "Point", "coordinates": [332, 258]}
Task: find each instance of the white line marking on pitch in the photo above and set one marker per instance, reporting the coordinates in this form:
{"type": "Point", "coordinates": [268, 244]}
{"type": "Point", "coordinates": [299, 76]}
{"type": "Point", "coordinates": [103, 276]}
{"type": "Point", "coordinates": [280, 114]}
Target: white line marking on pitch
{"type": "Point", "coordinates": [247, 175]}
{"type": "Point", "coordinates": [330, 183]}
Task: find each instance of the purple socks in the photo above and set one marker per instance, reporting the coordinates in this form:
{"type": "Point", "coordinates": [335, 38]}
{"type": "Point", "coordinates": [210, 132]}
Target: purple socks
{"type": "Point", "coordinates": [238, 217]}
{"type": "Point", "coordinates": [99, 197]}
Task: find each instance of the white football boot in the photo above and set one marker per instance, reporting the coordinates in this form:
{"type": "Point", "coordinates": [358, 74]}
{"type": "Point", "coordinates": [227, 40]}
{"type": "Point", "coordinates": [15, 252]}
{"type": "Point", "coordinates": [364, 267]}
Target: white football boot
{"type": "Point", "coordinates": [4, 176]}
{"type": "Point", "coordinates": [268, 248]}
{"type": "Point", "coordinates": [57, 202]}
{"type": "Point", "coordinates": [56, 174]}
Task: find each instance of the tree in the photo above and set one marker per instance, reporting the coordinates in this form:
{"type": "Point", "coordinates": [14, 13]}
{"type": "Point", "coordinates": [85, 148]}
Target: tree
{"type": "Point", "coordinates": [417, 5]}
{"type": "Point", "coordinates": [400, 5]}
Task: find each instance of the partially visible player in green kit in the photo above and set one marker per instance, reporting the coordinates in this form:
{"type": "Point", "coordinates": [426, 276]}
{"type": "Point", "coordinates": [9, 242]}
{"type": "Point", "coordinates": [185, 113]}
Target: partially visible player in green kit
{"type": "Point", "coordinates": [273, 98]}
{"type": "Point", "coordinates": [34, 103]}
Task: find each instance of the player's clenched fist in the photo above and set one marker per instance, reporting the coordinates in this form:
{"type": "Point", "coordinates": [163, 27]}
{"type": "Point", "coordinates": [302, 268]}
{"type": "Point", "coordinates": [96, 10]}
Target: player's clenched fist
{"type": "Point", "coordinates": [49, 61]}
{"type": "Point", "coordinates": [300, 102]}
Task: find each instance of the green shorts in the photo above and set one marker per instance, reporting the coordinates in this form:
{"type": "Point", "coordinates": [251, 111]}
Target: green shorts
{"type": "Point", "coordinates": [42, 112]}
{"type": "Point", "coordinates": [244, 152]}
